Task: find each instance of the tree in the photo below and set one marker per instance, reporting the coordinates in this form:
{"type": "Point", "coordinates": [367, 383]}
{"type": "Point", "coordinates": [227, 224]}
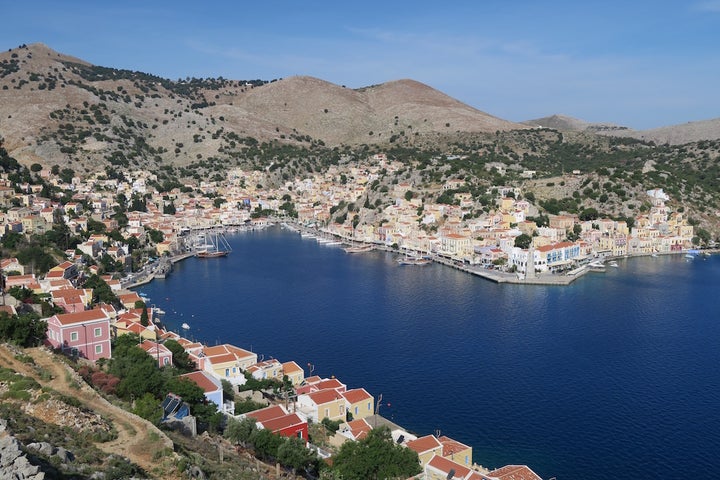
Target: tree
{"type": "Point", "coordinates": [144, 321]}
{"type": "Point", "coordinates": [376, 457]}
{"type": "Point", "coordinates": [25, 330]}
{"type": "Point", "coordinates": [181, 359]}
{"type": "Point", "coordinates": [156, 236]}
{"type": "Point", "coordinates": [240, 431]}
{"type": "Point", "coordinates": [148, 407]}
{"type": "Point", "coordinates": [523, 241]}
{"type": "Point", "coordinates": [292, 453]}
{"type": "Point", "coordinates": [589, 214]}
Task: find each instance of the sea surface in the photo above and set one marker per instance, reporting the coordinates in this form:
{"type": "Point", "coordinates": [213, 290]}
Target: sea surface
{"type": "Point", "coordinates": [616, 375]}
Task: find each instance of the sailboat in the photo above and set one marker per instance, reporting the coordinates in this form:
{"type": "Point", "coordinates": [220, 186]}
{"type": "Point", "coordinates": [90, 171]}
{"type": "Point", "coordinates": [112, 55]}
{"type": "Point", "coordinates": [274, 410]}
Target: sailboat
{"type": "Point", "coordinates": [216, 245]}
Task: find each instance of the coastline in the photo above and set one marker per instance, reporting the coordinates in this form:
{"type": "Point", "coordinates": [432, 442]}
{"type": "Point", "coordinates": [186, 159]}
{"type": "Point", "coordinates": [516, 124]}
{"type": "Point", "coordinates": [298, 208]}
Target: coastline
{"type": "Point", "coordinates": [496, 276]}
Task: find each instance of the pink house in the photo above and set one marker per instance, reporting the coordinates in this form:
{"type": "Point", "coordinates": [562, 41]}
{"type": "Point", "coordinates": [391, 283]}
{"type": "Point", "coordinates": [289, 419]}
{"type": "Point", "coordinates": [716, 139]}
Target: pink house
{"type": "Point", "coordinates": [86, 333]}
{"type": "Point", "coordinates": [159, 352]}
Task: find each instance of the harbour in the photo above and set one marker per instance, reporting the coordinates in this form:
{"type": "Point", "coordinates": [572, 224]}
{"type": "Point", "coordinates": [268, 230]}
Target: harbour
{"type": "Point", "coordinates": [568, 380]}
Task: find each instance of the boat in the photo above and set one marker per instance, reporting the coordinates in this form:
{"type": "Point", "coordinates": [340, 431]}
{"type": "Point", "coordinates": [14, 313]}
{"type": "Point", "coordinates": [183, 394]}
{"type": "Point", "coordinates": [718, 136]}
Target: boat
{"type": "Point", "coordinates": [185, 326]}
{"type": "Point", "coordinates": [216, 246]}
{"type": "Point", "coordinates": [689, 256]}
{"type": "Point", "coordinates": [414, 261]}
{"type": "Point", "coordinates": [613, 264]}
{"type": "Point", "coordinates": [359, 248]}
{"type": "Point", "coordinates": [597, 266]}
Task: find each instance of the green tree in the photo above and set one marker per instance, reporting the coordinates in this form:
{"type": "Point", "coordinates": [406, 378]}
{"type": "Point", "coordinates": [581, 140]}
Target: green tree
{"type": "Point", "coordinates": [101, 290]}
{"type": "Point", "coordinates": [181, 359]}
{"type": "Point", "coordinates": [148, 407]}
{"type": "Point", "coordinates": [375, 457]}
{"type": "Point", "coordinates": [24, 330]}
{"type": "Point", "coordinates": [144, 320]}
{"type": "Point", "coordinates": [523, 241]}
{"type": "Point", "coordinates": [292, 453]}
{"type": "Point", "coordinates": [240, 431]}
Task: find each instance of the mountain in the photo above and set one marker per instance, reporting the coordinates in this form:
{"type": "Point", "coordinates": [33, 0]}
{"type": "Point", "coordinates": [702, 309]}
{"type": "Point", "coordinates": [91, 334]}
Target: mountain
{"type": "Point", "coordinates": [674, 135]}
{"type": "Point", "coordinates": [57, 109]}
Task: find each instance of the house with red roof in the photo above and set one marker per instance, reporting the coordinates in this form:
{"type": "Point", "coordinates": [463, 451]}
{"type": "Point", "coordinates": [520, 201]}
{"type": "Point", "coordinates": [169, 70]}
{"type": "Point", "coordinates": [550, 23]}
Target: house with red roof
{"type": "Point", "coordinates": [158, 351]}
{"type": "Point", "coordinates": [226, 362]}
{"type": "Point", "coordinates": [276, 419]}
{"type": "Point", "coordinates": [439, 468]}
{"type": "Point", "coordinates": [85, 333]}
{"type": "Point", "coordinates": [322, 404]}
{"type": "Point", "coordinates": [209, 384]}
{"type": "Point", "coordinates": [512, 472]}
{"type": "Point", "coordinates": [294, 372]}
{"type": "Point", "coordinates": [456, 451]}
{"type": "Point", "coordinates": [64, 270]}
{"type": "Point", "coordinates": [359, 403]}
{"type": "Point", "coordinates": [268, 369]}
{"type": "Point", "coordinates": [12, 265]}
{"type": "Point", "coordinates": [355, 429]}
{"type": "Point", "coordinates": [426, 447]}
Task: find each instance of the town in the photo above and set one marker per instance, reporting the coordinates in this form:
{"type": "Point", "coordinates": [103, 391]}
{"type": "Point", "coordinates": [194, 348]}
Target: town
{"type": "Point", "coordinates": [130, 245]}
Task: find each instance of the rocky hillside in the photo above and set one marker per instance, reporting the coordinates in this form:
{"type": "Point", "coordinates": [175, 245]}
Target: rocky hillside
{"type": "Point", "coordinates": [56, 109]}
{"type": "Point", "coordinates": [673, 135]}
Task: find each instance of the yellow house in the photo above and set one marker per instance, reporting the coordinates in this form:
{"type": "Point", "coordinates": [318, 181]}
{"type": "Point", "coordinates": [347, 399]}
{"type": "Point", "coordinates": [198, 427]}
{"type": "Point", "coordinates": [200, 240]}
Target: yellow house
{"type": "Point", "coordinates": [359, 403]}
{"type": "Point", "coordinates": [426, 447]}
{"type": "Point", "coordinates": [322, 404]}
{"type": "Point", "coordinates": [294, 372]}
{"type": "Point", "coordinates": [456, 451]}
{"type": "Point", "coordinates": [227, 362]}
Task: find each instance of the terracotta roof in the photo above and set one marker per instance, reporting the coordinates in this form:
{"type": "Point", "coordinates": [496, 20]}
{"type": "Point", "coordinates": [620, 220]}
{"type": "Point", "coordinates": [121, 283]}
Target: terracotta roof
{"type": "Point", "coordinates": [81, 317]}
{"type": "Point", "coordinates": [333, 383]}
{"type": "Point", "coordinates": [424, 444]}
{"type": "Point", "coordinates": [203, 380]}
{"type": "Point", "coordinates": [267, 413]}
{"type": "Point", "coordinates": [283, 422]}
{"type": "Point", "coordinates": [357, 395]}
{"type": "Point", "coordinates": [322, 397]}
{"type": "Point", "coordinates": [451, 446]}
{"type": "Point", "coordinates": [514, 472]}
{"type": "Point", "coordinates": [291, 367]}
{"type": "Point", "coordinates": [444, 465]}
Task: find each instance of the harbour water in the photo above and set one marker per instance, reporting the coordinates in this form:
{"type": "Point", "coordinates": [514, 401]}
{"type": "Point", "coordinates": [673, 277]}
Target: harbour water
{"type": "Point", "coordinates": [615, 375]}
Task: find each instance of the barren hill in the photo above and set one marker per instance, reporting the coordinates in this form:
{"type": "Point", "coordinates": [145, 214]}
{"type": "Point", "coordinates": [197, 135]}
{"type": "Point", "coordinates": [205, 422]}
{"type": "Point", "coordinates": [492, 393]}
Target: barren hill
{"type": "Point", "coordinates": [57, 109]}
{"type": "Point", "coordinates": [674, 135]}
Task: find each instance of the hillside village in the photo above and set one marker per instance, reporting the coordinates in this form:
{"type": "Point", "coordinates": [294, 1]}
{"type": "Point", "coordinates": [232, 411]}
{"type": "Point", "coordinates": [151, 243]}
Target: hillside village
{"type": "Point", "coordinates": [332, 204]}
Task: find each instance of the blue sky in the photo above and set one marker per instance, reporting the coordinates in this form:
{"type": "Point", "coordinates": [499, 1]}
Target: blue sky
{"type": "Point", "coordinates": [642, 64]}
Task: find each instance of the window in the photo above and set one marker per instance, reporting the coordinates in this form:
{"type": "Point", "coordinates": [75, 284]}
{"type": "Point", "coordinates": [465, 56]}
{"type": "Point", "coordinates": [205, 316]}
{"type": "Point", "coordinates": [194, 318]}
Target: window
{"type": "Point", "coordinates": [227, 372]}
{"type": "Point", "coordinates": [327, 412]}
{"type": "Point", "coordinates": [98, 349]}
{"type": "Point", "coordinates": [356, 410]}
{"type": "Point", "coordinates": [98, 332]}
{"type": "Point", "coordinates": [74, 336]}
{"type": "Point", "coordinates": [166, 361]}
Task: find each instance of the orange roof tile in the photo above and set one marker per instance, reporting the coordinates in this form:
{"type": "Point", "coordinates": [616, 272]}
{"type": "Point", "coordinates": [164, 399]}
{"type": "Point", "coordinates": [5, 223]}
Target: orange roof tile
{"type": "Point", "coordinates": [514, 472]}
{"type": "Point", "coordinates": [81, 317]}
{"type": "Point", "coordinates": [202, 380]}
{"type": "Point", "coordinates": [424, 444]}
{"type": "Point", "coordinates": [357, 395]}
{"type": "Point", "coordinates": [267, 413]}
{"type": "Point", "coordinates": [322, 397]}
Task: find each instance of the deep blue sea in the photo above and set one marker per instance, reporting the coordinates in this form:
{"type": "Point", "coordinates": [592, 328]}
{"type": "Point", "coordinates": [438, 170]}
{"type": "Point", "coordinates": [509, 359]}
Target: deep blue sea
{"type": "Point", "coordinates": [616, 375]}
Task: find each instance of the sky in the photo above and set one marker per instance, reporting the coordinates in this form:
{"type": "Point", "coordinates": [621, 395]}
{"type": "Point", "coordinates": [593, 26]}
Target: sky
{"type": "Point", "coordinates": [641, 64]}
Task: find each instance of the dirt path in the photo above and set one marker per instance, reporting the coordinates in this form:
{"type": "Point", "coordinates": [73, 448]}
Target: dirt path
{"type": "Point", "coordinates": [138, 440]}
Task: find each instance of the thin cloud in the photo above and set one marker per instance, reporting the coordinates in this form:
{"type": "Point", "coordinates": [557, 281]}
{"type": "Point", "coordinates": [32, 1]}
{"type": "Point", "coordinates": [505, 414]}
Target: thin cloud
{"type": "Point", "coordinates": [708, 6]}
